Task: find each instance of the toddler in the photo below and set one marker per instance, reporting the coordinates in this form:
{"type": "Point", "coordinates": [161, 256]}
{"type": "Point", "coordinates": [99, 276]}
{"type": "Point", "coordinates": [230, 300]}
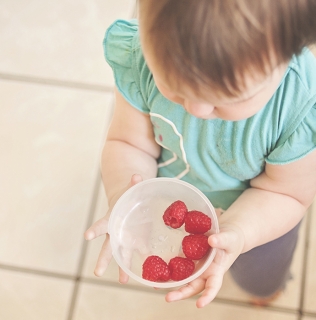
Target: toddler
{"type": "Point", "coordinates": [221, 94]}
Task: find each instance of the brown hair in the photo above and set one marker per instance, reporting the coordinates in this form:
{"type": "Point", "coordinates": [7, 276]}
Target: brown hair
{"type": "Point", "coordinates": [214, 42]}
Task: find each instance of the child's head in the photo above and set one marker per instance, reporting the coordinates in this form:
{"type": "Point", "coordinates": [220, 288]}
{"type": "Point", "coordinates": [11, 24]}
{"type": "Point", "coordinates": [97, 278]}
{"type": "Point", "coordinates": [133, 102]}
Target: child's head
{"type": "Point", "coordinates": [222, 45]}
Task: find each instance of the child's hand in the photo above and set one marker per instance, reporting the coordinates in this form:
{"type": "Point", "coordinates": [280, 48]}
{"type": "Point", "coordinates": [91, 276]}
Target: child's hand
{"type": "Point", "coordinates": [100, 227]}
{"type": "Point", "coordinates": [229, 243]}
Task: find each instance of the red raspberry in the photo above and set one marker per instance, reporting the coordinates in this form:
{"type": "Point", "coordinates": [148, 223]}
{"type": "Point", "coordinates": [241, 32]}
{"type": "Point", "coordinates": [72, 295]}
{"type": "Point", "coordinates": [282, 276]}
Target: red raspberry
{"type": "Point", "coordinates": [195, 246]}
{"type": "Point", "coordinates": [175, 214]}
{"type": "Point", "coordinates": [197, 222]}
{"type": "Point", "coordinates": [180, 268]}
{"type": "Point", "coordinates": [155, 269]}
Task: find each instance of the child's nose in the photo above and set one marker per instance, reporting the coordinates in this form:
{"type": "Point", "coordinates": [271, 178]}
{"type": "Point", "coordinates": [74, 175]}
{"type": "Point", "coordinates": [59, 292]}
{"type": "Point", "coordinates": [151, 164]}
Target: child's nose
{"type": "Point", "coordinates": [199, 110]}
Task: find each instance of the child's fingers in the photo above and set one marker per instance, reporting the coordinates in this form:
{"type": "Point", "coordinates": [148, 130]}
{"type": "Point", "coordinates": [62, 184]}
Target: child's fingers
{"type": "Point", "coordinates": [219, 240]}
{"type": "Point", "coordinates": [212, 287]}
{"type": "Point", "coordinates": [104, 258]}
{"type": "Point", "coordinates": [228, 240]}
{"type": "Point", "coordinates": [99, 228]}
{"type": "Point", "coordinates": [210, 284]}
{"type": "Point", "coordinates": [191, 289]}
{"type": "Point", "coordinates": [123, 277]}
{"type": "Point", "coordinates": [126, 255]}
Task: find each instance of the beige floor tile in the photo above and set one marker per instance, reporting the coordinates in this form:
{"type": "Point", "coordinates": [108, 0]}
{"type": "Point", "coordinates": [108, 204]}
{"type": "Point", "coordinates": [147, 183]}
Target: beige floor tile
{"type": "Point", "coordinates": [308, 318]}
{"type": "Point", "coordinates": [94, 247]}
{"type": "Point", "coordinates": [50, 147]}
{"type": "Point", "coordinates": [310, 285]}
{"type": "Point", "coordinates": [59, 39]}
{"type": "Point", "coordinates": [291, 297]}
{"type": "Point", "coordinates": [32, 297]}
{"type": "Point", "coordinates": [102, 302]}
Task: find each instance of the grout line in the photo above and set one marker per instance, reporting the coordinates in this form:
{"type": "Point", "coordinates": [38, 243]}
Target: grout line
{"type": "Point", "coordinates": [137, 288]}
{"type": "Point", "coordinates": [250, 306]}
{"type": "Point", "coordinates": [37, 272]}
{"type": "Point", "coordinates": [310, 314]}
{"type": "Point", "coordinates": [55, 83]}
{"type": "Point", "coordinates": [84, 246]}
{"type": "Point", "coordinates": [305, 261]}
{"type": "Point", "coordinates": [91, 213]}
{"type": "Point", "coordinates": [132, 287]}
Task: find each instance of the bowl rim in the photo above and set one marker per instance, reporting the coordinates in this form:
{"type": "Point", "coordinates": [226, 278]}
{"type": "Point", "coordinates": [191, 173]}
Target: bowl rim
{"type": "Point", "coordinates": [169, 284]}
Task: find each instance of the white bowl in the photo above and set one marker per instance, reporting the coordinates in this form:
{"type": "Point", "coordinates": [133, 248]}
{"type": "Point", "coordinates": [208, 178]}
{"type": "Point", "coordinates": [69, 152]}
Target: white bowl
{"type": "Point", "coordinates": [137, 229]}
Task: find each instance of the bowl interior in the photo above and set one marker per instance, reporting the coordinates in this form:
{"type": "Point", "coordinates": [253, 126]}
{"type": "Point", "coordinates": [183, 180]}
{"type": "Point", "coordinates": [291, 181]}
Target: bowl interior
{"type": "Point", "coordinates": [137, 229]}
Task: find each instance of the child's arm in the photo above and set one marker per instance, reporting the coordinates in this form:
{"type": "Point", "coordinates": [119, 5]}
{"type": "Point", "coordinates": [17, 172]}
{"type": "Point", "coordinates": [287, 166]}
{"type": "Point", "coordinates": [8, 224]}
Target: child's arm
{"type": "Point", "coordinates": [130, 149]}
{"type": "Point", "coordinates": [275, 203]}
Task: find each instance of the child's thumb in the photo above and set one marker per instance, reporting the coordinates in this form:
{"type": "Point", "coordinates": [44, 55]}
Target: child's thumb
{"type": "Point", "coordinates": [218, 240]}
{"type": "Point", "coordinates": [223, 240]}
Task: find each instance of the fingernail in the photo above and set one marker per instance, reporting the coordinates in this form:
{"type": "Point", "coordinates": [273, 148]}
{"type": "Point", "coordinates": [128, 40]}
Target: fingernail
{"type": "Point", "coordinates": [213, 241]}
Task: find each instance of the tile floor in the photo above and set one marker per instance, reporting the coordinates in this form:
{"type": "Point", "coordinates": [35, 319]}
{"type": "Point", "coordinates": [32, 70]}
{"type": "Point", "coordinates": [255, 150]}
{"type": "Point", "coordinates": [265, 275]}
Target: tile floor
{"type": "Point", "coordinates": [56, 103]}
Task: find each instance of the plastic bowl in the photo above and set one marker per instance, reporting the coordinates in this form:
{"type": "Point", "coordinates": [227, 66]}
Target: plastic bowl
{"type": "Point", "coordinates": [137, 229]}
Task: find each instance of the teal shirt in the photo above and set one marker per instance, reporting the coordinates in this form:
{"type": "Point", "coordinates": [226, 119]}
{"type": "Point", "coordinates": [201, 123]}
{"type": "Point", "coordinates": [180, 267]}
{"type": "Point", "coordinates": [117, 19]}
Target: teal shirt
{"type": "Point", "coordinates": [219, 157]}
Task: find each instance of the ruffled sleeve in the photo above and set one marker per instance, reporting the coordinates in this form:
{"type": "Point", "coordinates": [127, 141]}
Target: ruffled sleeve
{"type": "Point", "coordinates": [122, 52]}
{"type": "Point", "coordinates": [300, 143]}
